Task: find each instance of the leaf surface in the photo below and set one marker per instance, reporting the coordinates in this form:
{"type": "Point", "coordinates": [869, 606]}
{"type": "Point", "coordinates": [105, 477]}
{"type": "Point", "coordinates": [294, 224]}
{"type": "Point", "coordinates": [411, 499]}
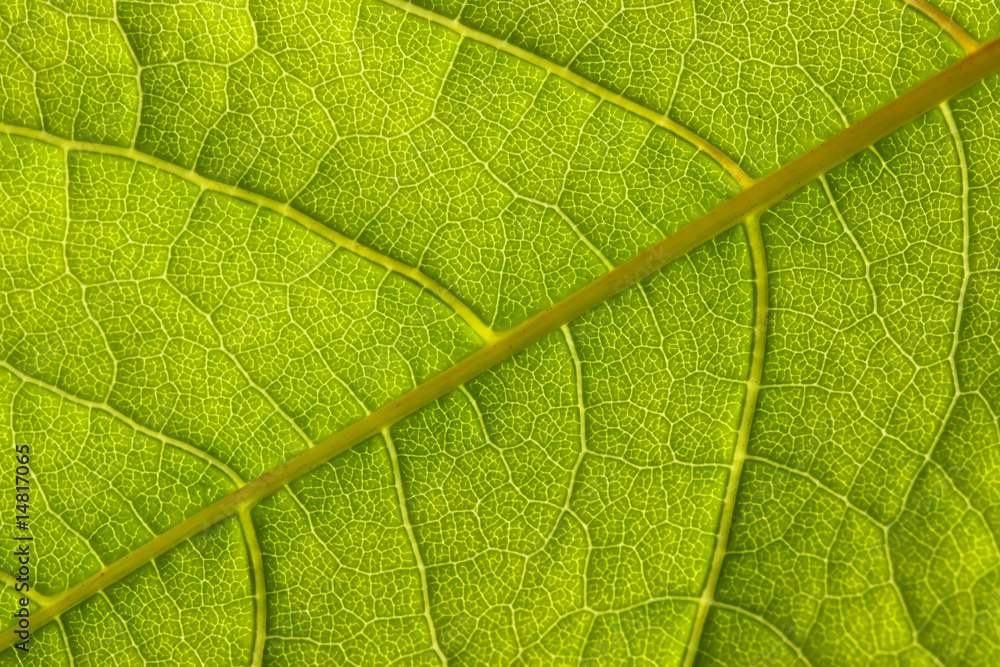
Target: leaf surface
{"type": "Point", "coordinates": [239, 238]}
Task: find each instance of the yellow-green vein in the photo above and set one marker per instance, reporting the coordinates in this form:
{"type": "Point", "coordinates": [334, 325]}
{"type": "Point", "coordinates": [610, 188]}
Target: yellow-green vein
{"type": "Point", "coordinates": [946, 23]}
{"type": "Point", "coordinates": [246, 524]}
{"type": "Point", "coordinates": [583, 83]}
{"type": "Point", "coordinates": [41, 599]}
{"type": "Point", "coordinates": [287, 210]}
{"type": "Point", "coordinates": [758, 347]}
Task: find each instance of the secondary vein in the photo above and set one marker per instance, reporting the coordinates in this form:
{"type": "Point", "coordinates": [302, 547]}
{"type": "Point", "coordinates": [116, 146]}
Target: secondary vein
{"type": "Point", "coordinates": [572, 77]}
{"type": "Point", "coordinates": [411, 537]}
{"type": "Point", "coordinates": [946, 23]}
{"type": "Point", "coordinates": [759, 344]}
{"type": "Point", "coordinates": [283, 209]}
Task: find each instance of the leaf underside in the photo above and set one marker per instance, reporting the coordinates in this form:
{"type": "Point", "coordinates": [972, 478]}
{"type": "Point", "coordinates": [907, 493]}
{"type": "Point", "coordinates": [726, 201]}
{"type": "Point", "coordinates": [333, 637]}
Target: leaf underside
{"type": "Point", "coordinates": [230, 230]}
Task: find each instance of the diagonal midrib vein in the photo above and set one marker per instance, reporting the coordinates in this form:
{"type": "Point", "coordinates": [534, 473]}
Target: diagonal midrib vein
{"type": "Point", "coordinates": [754, 199]}
{"type": "Point", "coordinates": [283, 209]}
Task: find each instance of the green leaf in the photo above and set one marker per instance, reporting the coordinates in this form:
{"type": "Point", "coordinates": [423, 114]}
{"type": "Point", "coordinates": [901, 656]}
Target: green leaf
{"type": "Point", "coordinates": [496, 332]}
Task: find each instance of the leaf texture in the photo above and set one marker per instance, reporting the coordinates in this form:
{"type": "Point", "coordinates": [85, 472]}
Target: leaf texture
{"type": "Point", "coordinates": [238, 238]}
